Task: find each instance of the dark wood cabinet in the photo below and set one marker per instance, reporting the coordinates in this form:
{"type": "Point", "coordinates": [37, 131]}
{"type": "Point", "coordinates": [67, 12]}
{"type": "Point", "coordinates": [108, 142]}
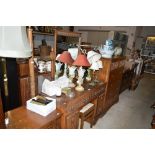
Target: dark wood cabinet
{"type": "Point", "coordinates": [2, 123]}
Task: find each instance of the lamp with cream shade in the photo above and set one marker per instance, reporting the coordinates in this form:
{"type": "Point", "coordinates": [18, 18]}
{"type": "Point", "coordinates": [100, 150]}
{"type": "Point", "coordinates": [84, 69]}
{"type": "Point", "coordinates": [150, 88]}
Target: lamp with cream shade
{"type": "Point", "coordinates": [93, 57]}
{"type": "Point", "coordinates": [95, 67]}
{"type": "Point", "coordinates": [13, 44]}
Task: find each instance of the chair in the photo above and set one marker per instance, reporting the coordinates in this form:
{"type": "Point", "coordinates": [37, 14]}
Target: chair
{"type": "Point", "coordinates": [87, 113]}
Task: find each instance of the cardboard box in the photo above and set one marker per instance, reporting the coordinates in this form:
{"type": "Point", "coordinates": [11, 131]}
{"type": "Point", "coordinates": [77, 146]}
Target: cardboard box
{"type": "Point", "coordinates": [43, 110]}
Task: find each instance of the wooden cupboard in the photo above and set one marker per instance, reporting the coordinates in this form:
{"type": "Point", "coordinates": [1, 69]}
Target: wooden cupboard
{"type": "Point", "coordinates": [111, 74]}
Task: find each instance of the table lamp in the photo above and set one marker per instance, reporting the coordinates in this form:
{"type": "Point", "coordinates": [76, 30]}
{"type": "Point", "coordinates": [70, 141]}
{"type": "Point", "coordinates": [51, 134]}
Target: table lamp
{"type": "Point", "coordinates": [66, 58]}
{"type": "Point", "coordinates": [13, 44]}
{"type": "Point", "coordinates": [93, 57]}
{"type": "Point", "coordinates": [81, 60]}
{"type": "Point", "coordinates": [95, 67]}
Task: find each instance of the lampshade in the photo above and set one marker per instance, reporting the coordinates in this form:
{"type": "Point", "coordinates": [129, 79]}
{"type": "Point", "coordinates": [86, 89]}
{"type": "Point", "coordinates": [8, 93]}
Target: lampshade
{"type": "Point", "coordinates": [14, 42]}
{"type": "Point", "coordinates": [81, 60]}
{"type": "Point", "coordinates": [100, 65]}
{"type": "Point", "coordinates": [65, 57]}
{"type": "Point", "coordinates": [73, 52]}
{"type": "Point", "coordinates": [93, 56]}
{"type": "Point", "coordinates": [94, 66]}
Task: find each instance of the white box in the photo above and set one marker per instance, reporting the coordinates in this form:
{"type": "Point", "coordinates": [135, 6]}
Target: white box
{"type": "Point", "coordinates": [43, 110]}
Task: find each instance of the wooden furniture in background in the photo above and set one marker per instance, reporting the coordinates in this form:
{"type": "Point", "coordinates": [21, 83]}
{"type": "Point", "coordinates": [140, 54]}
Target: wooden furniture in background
{"type": "Point", "coordinates": [24, 81]}
{"type": "Point", "coordinates": [33, 73]}
{"type": "Point", "coordinates": [153, 117]}
{"type": "Point", "coordinates": [67, 34]}
{"type": "Point", "coordinates": [111, 74]}
{"type": "Point", "coordinates": [2, 117]}
{"type": "Point", "coordinates": [127, 78]}
{"type": "Point", "coordinates": [21, 118]}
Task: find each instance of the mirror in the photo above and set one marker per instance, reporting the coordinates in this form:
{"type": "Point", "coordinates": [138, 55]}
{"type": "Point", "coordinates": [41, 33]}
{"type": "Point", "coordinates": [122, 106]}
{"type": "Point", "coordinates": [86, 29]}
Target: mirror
{"type": "Point", "coordinates": [66, 41]}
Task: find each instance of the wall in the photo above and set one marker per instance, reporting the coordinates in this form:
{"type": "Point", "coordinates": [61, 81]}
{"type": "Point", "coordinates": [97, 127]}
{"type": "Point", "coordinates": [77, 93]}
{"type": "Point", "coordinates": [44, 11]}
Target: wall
{"type": "Point", "coordinates": [97, 38]}
{"type": "Point", "coordinates": [129, 30]}
{"type": "Point", "coordinates": [143, 33]}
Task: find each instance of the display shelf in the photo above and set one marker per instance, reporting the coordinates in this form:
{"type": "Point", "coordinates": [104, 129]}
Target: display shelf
{"type": "Point", "coordinates": [44, 73]}
{"type": "Point", "coordinates": [42, 33]}
{"type": "Point", "coordinates": [149, 72]}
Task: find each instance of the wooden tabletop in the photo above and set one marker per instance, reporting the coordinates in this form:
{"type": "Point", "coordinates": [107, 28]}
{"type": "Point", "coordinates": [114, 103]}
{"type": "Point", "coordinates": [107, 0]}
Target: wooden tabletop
{"type": "Point", "coordinates": [22, 118]}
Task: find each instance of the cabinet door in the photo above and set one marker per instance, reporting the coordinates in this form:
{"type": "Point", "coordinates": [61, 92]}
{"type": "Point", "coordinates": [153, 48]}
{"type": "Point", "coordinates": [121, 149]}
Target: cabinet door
{"type": "Point", "coordinates": [100, 104]}
{"type": "Point", "coordinates": [24, 90]}
{"type": "Point", "coordinates": [72, 120]}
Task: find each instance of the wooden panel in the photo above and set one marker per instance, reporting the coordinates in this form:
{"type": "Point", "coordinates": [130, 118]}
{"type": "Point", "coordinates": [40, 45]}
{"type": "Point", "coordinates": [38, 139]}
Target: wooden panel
{"type": "Point", "coordinates": [103, 74]}
{"type": "Point", "coordinates": [23, 69]}
{"type": "Point", "coordinates": [24, 90]}
{"type": "Point", "coordinates": [100, 104]}
{"type": "Point", "coordinates": [72, 121]}
{"type": "Point", "coordinates": [2, 123]}
{"type": "Point", "coordinates": [111, 74]}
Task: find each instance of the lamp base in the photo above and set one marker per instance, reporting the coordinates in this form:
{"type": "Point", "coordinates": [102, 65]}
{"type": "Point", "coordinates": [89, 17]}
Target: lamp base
{"type": "Point", "coordinates": [72, 85]}
{"type": "Point", "coordinates": [79, 88]}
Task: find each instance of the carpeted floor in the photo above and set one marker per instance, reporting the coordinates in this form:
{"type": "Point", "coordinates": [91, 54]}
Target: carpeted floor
{"type": "Point", "coordinates": [133, 109]}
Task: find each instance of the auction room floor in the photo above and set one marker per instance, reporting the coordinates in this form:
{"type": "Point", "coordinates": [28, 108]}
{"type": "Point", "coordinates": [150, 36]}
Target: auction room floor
{"type": "Point", "coordinates": [133, 109]}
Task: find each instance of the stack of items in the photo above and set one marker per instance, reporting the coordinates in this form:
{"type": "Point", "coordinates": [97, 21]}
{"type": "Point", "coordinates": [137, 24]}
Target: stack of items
{"type": "Point", "coordinates": [107, 50]}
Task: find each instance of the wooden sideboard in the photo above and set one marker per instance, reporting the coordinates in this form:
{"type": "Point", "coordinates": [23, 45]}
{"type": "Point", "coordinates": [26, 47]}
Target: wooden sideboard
{"type": "Point", "coordinates": [111, 74]}
{"type": "Point", "coordinates": [67, 114]}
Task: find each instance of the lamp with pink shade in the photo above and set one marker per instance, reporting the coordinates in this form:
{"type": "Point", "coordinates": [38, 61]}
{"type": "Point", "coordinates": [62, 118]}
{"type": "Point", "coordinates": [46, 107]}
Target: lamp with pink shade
{"type": "Point", "coordinates": [66, 58]}
{"type": "Point", "coordinates": [81, 61]}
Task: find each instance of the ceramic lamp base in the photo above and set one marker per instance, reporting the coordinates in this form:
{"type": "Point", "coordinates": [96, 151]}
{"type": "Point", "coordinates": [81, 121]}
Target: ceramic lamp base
{"type": "Point", "coordinates": [88, 79]}
{"type": "Point", "coordinates": [79, 88]}
{"type": "Point", "coordinates": [71, 85]}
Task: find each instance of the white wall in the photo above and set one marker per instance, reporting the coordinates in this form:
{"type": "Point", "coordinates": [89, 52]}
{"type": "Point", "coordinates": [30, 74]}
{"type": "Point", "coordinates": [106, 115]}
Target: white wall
{"type": "Point", "coordinates": [129, 30]}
